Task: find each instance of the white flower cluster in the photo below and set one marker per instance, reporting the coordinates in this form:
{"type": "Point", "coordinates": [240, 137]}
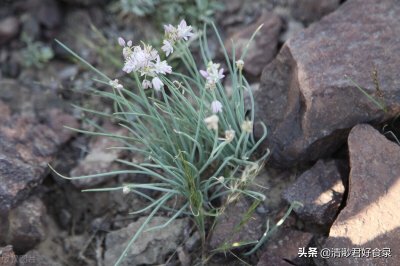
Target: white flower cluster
{"type": "Point", "coordinates": [213, 74]}
{"type": "Point", "coordinates": [174, 34]}
{"type": "Point", "coordinates": [115, 84]}
{"type": "Point", "coordinates": [146, 61]}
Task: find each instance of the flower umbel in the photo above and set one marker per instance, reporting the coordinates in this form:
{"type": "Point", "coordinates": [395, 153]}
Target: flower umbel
{"type": "Point", "coordinates": [146, 61]}
{"type": "Point", "coordinates": [184, 31]}
{"type": "Point", "coordinates": [213, 74]}
{"type": "Point", "coordinates": [175, 34]}
{"type": "Point", "coordinates": [167, 47]}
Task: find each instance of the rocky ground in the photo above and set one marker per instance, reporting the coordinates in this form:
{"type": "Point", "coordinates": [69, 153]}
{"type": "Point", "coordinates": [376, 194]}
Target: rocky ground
{"type": "Point", "coordinates": [333, 149]}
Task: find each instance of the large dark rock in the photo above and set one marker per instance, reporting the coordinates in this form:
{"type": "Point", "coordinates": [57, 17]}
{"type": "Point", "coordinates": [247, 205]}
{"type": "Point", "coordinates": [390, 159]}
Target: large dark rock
{"type": "Point", "coordinates": [320, 190]}
{"type": "Point", "coordinates": [306, 100]}
{"type": "Point", "coordinates": [48, 13]}
{"type": "Point", "coordinates": [70, 30]}
{"type": "Point", "coordinates": [284, 247]}
{"type": "Point", "coordinates": [35, 95]}
{"type": "Point", "coordinates": [150, 248]}
{"type": "Point", "coordinates": [24, 226]}
{"type": "Point", "coordinates": [371, 218]}
{"type": "Point", "coordinates": [26, 147]}
{"type": "Point", "coordinates": [35, 258]}
{"type": "Point", "coordinates": [233, 226]}
{"type": "Point", "coordinates": [264, 46]}
{"type": "Point", "coordinates": [44, 13]}
{"type": "Point", "coordinates": [309, 11]}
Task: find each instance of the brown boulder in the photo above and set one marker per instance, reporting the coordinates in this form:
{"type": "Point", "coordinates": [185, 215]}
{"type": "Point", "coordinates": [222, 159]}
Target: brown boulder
{"type": "Point", "coordinates": [48, 13]}
{"type": "Point", "coordinates": [309, 11]}
{"type": "Point", "coordinates": [320, 203]}
{"type": "Point", "coordinates": [36, 258]}
{"type": "Point", "coordinates": [26, 147]}
{"type": "Point", "coordinates": [24, 226]}
{"type": "Point", "coordinates": [305, 98]}
{"type": "Point", "coordinates": [264, 46]}
{"type": "Point", "coordinates": [233, 226]}
{"type": "Point", "coordinates": [370, 222]}
{"type": "Point", "coordinates": [285, 247]}
{"type": "Point", "coordinates": [150, 248]}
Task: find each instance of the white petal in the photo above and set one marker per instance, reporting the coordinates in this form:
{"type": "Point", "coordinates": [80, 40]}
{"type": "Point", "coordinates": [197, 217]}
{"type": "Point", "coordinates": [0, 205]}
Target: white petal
{"type": "Point", "coordinates": [221, 74]}
{"type": "Point", "coordinates": [204, 73]}
{"type": "Point", "coordinates": [121, 41]}
{"type": "Point", "coordinates": [183, 24]}
{"type": "Point", "coordinates": [157, 83]}
{"type": "Point", "coordinates": [184, 31]}
{"type": "Point", "coordinates": [167, 48]}
{"type": "Point", "coordinates": [162, 67]}
{"type": "Point", "coordinates": [127, 68]}
{"type": "Point", "coordinates": [169, 28]}
{"type": "Point", "coordinates": [146, 84]}
{"type": "Point", "coordinates": [216, 107]}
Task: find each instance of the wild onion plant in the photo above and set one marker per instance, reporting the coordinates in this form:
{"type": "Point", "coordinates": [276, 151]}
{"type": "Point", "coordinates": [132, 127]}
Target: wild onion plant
{"type": "Point", "coordinates": [197, 140]}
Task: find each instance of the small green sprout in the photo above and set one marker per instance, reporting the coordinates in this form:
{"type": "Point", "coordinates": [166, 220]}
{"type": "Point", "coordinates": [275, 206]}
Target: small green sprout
{"type": "Point", "coordinates": [35, 53]}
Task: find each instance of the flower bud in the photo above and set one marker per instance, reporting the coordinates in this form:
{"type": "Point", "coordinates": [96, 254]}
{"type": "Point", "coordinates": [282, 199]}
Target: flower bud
{"type": "Point", "coordinates": [240, 64]}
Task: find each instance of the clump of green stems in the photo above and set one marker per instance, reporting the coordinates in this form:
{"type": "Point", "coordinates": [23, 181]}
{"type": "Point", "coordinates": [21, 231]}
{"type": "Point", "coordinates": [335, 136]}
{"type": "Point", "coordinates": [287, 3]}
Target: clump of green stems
{"type": "Point", "coordinates": [188, 160]}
